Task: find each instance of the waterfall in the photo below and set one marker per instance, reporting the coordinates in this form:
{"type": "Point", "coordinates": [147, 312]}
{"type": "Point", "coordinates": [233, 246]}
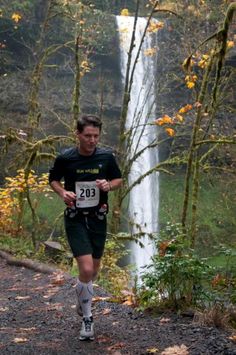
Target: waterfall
{"type": "Point", "coordinates": [144, 197]}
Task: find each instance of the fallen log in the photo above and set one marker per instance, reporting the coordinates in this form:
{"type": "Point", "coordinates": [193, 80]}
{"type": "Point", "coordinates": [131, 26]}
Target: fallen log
{"type": "Point", "coordinates": [32, 264]}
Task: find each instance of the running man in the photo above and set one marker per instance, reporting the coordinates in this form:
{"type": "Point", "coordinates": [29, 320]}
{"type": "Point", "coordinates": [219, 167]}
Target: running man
{"type": "Point", "coordinates": [89, 173]}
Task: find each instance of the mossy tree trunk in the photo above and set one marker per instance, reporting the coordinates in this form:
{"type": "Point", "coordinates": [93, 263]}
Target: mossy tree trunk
{"type": "Point", "coordinates": [194, 157]}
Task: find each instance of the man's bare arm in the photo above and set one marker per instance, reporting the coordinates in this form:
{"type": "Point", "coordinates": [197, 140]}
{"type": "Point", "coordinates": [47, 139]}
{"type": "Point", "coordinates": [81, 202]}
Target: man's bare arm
{"type": "Point", "coordinates": [67, 196]}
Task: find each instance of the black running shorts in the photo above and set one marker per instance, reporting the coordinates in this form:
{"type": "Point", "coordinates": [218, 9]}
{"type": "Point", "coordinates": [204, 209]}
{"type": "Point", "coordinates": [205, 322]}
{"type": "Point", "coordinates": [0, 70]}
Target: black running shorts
{"type": "Point", "coordinates": [86, 235]}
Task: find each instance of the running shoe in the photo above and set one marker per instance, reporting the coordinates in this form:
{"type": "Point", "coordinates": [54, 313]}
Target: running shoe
{"type": "Point", "coordinates": [87, 331]}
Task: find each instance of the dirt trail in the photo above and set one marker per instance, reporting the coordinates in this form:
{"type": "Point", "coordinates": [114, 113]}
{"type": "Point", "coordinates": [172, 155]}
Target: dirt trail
{"type": "Point", "coordinates": [37, 316]}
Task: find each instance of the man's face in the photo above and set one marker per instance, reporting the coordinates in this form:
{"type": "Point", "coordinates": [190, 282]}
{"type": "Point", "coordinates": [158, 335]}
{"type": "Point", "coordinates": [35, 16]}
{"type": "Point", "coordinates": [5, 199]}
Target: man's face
{"type": "Point", "coordinates": [88, 139]}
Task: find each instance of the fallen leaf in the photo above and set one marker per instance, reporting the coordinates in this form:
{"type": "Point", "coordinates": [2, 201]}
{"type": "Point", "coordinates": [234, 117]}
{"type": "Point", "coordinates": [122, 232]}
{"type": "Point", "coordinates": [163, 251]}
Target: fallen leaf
{"type": "Point", "coordinates": [103, 339]}
{"type": "Point", "coordinates": [152, 350]}
{"type": "Point", "coordinates": [59, 279]}
{"type": "Point", "coordinates": [55, 307]}
{"type": "Point", "coordinates": [106, 311]}
{"type": "Point", "coordinates": [97, 299]}
{"type": "Point", "coordinates": [176, 350]}
{"type": "Point", "coordinates": [164, 320]}
{"type": "Point", "coordinates": [20, 340]}
{"type": "Point", "coordinates": [116, 346]}
{"type": "Point", "coordinates": [22, 297]}
{"type": "Point", "coordinates": [4, 309]}
{"type": "Point", "coordinates": [233, 338]}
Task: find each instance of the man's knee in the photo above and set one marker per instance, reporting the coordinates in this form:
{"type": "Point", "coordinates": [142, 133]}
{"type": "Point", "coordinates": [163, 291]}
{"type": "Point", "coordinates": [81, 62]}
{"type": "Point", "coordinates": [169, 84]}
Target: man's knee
{"type": "Point", "coordinates": [86, 272]}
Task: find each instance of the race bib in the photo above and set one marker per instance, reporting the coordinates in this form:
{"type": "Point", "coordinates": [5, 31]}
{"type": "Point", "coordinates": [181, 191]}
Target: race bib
{"type": "Point", "coordinates": [87, 194]}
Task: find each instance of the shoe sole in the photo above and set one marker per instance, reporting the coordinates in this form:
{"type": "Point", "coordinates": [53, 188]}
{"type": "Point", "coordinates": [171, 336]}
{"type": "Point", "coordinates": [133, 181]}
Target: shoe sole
{"type": "Point", "coordinates": [86, 338]}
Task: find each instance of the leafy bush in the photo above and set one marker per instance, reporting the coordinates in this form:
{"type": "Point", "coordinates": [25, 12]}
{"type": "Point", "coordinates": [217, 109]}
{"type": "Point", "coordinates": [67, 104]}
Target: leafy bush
{"type": "Point", "coordinates": [176, 276]}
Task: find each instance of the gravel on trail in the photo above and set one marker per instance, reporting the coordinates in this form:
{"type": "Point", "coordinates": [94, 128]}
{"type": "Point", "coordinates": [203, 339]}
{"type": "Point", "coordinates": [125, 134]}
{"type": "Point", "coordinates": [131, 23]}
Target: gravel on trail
{"type": "Point", "coordinates": [37, 316]}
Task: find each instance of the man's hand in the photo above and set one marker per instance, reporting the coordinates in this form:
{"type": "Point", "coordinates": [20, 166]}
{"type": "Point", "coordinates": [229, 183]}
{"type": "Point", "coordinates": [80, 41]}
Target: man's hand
{"type": "Point", "coordinates": [103, 185]}
{"type": "Point", "coordinates": [68, 197]}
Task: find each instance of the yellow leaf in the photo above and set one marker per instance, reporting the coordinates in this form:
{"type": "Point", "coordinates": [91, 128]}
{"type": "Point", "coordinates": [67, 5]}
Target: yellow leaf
{"type": "Point", "coordinates": [190, 84]}
{"type": "Point", "coordinates": [230, 44]}
{"type": "Point", "coordinates": [205, 56]}
{"type": "Point", "coordinates": [124, 12]}
{"type": "Point", "coordinates": [179, 117]}
{"type": "Point", "coordinates": [16, 17]}
{"type": "Point", "coordinates": [170, 131]}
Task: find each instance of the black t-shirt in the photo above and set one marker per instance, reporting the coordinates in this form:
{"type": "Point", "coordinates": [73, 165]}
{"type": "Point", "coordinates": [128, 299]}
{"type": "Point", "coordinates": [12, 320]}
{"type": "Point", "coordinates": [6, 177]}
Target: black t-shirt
{"type": "Point", "coordinates": [75, 168]}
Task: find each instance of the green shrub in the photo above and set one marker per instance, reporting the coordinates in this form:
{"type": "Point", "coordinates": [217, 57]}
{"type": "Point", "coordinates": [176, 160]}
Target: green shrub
{"type": "Point", "coordinates": [176, 276]}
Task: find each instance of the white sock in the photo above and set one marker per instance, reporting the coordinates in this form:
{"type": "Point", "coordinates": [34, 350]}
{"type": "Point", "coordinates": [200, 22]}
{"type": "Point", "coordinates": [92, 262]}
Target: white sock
{"type": "Point", "coordinates": [84, 293]}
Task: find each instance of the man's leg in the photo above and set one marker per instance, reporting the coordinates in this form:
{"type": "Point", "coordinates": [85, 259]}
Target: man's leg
{"type": "Point", "coordinates": [96, 267]}
{"type": "Point", "coordinates": [84, 287]}
{"type": "Point", "coordinates": [84, 290]}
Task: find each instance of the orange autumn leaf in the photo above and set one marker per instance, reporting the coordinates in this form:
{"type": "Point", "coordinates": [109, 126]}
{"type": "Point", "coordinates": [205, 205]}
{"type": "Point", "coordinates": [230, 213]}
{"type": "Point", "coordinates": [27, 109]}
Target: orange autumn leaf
{"type": "Point", "coordinates": [186, 108]}
{"type": "Point", "coordinates": [159, 122]}
{"type": "Point", "coordinates": [163, 246]}
{"type": "Point", "coordinates": [155, 26]}
{"type": "Point", "coordinates": [167, 119]}
{"type": "Point", "coordinates": [170, 131]}
{"type": "Point", "coordinates": [163, 120]}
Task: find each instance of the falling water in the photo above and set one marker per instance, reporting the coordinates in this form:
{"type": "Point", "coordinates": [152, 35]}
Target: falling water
{"type": "Point", "coordinates": [144, 197]}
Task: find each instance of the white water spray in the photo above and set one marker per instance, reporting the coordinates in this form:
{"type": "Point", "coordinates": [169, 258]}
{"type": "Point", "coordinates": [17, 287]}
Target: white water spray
{"type": "Point", "coordinates": [144, 197]}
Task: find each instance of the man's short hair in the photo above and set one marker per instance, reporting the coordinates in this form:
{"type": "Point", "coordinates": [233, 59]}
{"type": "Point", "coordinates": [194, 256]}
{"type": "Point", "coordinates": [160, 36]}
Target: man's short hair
{"type": "Point", "coordinates": [88, 120]}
